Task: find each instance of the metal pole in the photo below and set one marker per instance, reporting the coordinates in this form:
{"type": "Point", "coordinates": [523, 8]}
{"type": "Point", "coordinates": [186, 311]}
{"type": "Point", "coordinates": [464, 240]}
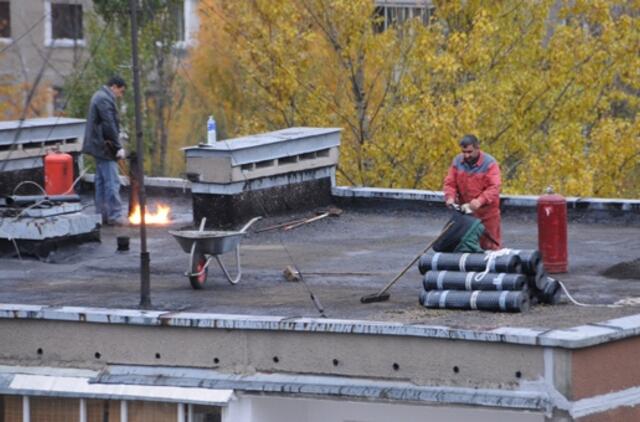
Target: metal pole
{"type": "Point", "coordinates": [145, 294]}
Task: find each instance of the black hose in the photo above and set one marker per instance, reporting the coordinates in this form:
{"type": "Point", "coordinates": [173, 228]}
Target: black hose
{"type": "Point", "coordinates": [26, 200]}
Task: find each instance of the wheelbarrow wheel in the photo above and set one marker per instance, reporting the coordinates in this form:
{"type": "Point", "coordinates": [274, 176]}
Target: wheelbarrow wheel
{"type": "Point", "coordinates": [198, 265]}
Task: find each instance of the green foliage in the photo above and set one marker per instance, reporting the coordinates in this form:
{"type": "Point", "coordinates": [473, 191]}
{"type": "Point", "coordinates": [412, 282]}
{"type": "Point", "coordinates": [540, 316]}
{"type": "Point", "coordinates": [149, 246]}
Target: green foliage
{"type": "Point", "coordinates": [109, 35]}
{"type": "Point", "coordinates": [551, 88]}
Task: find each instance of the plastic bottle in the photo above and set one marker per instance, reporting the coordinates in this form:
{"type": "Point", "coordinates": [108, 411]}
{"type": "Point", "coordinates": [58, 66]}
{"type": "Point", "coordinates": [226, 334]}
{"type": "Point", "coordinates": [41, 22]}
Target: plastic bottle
{"type": "Point", "coordinates": [211, 131]}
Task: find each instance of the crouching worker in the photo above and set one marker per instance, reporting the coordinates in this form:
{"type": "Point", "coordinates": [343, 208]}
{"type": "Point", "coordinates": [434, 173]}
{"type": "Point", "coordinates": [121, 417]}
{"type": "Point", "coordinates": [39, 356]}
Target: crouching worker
{"type": "Point", "coordinates": [473, 182]}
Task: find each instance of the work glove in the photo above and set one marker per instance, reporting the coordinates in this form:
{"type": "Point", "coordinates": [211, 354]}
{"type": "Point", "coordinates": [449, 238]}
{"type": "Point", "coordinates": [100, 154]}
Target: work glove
{"type": "Point", "coordinates": [466, 208]}
{"type": "Point", "coordinates": [123, 137]}
{"type": "Point", "coordinates": [121, 154]}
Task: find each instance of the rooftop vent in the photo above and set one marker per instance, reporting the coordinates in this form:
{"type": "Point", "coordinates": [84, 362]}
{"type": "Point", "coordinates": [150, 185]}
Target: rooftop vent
{"type": "Point", "coordinates": [262, 174]}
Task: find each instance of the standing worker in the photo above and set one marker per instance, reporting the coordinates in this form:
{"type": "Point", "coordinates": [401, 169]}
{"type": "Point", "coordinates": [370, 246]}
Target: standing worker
{"type": "Point", "coordinates": [473, 182]}
{"type": "Point", "coordinates": [101, 140]}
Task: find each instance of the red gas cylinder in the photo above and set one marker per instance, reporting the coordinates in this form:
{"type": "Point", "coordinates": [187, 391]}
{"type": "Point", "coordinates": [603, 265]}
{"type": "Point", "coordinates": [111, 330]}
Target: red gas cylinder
{"type": "Point", "coordinates": [58, 173]}
{"type": "Point", "coordinates": [552, 231]}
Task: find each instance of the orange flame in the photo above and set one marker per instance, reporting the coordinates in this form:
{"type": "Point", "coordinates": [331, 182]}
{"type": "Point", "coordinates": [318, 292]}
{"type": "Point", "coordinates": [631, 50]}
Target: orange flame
{"type": "Point", "coordinates": [161, 216]}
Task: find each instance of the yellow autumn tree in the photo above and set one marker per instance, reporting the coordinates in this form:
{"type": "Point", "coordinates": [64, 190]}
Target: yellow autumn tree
{"type": "Point", "coordinates": [23, 94]}
{"type": "Point", "coordinates": [550, 87]}
{"type": "Point", "coordinates": [20, 99]}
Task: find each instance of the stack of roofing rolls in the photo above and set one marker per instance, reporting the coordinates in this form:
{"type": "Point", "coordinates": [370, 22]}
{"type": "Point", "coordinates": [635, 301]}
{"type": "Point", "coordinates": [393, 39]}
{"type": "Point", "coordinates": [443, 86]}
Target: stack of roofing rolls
{"type": "Point", "coordinates": [506, 281]}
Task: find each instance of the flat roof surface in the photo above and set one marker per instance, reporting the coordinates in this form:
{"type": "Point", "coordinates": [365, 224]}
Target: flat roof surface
{"type": "Point", "coordinates": [341, 258]}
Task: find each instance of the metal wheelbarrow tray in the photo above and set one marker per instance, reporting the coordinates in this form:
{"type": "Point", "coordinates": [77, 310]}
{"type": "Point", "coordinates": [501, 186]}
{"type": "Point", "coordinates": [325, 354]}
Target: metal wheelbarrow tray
{"type": "Point", "coordinates": [204, 245]}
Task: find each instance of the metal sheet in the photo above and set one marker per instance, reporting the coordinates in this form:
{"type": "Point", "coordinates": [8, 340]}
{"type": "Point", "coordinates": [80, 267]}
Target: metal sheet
{"type": "Point", "coordinates": [30, 384]}
{"type": "Point", "coordinates": [269, 146]}
{"type": "Point", "coordinates": [344, 387]}
{"type": "Point", "coordinates": [42, 129]}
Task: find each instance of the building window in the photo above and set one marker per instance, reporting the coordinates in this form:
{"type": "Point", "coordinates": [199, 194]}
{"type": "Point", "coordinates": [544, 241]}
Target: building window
{"type": "Point", "coordinates": [177, 11]}
{"type": "Point", "coordinates": [53, 409]}
{"type": "Point", "coordinates": [11, 407]}
{"type": "Point", "coordinates": [5, 20]}
{"type": "Point", "coordinates": [147, 411]}
{"type": "Point", "coordinates": [200, 413]}
{"type": "Point", "coordinates": [187, 22]}
{"type": "Point", "coordinates": [103, 410]}
{"type": "Point", "coordinates": [391, 14]}
{"type": "Point", "coordinates": [63, 24]}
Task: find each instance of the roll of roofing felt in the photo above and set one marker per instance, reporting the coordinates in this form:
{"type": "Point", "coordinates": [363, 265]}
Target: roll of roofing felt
{"type": "Point", "coordinates": [530, 259]}
{"type": "Point", "coordinates": [464, 262]}
{"type": "Point", "coordinates": [506, 301]}
{"type": "Point", "coordinates": [537, 280]}
{"type": "Point", "coordinates": [456, 280]}
{"type": "Point", "coordinates": [550, 292]}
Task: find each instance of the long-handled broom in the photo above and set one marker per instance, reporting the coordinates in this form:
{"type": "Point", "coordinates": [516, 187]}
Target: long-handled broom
{"type": "Point", "coordinates": [382, 295]}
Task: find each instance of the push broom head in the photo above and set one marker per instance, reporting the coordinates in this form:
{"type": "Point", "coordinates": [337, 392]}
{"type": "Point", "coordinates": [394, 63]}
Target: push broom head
{"type": "Point", "coordinates": [376, 297]}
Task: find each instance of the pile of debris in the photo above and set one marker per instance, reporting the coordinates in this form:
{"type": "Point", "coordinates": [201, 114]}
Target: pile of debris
{"type": "Point", "coordinates": [504, 281]}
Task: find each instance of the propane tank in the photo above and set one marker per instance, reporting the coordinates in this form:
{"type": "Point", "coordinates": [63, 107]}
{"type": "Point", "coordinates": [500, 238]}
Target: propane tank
{"type": "Point", "coordinates": [552, 231]}
{"type": "Point", "coordinates": [58, 173]}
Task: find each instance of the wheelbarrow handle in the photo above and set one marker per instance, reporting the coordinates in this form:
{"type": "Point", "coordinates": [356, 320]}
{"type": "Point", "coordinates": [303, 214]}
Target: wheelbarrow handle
{"type": "Point", "coordinates": [249, 224]}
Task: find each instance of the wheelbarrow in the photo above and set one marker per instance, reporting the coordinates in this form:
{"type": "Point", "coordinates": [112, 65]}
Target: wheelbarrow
{"type": "Point", "coordinates": [204, 245]}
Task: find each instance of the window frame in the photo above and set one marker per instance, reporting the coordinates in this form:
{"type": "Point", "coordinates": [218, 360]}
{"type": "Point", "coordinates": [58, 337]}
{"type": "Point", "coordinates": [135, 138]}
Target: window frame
{"type": "Point", "coordinates": [49, 41]}
{"type": "Point", "coordinates": [398, 12]}
{"type": "Point", "coordinates": [9, 39]}
{"type": "Point", "coordinates": [190, 14]}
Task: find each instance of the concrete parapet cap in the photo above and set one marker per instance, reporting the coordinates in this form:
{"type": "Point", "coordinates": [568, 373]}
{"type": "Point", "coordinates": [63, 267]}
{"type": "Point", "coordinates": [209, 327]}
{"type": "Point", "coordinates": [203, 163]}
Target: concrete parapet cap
{"type": "Point", "coordinates": [506, 200]}
{"type": "Point", "coordinates": [158, 182]}
{"type": "Point", "coordinates": [40, 129]}
{"type": "Point", "coordinates": [261, 148]}
{"type": "Point", "coordinates": [569, 338]}
{"type": "Point", "coordinates": [278, 136]}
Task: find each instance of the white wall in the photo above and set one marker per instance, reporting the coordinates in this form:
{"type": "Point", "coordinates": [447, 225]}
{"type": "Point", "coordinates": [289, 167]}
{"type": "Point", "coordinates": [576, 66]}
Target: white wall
{"type": "Point", "coordinates": [276, 409]}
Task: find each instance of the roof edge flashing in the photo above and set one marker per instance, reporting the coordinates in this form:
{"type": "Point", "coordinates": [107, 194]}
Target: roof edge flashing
{"type": "Point", "coordinates": [569, 338]}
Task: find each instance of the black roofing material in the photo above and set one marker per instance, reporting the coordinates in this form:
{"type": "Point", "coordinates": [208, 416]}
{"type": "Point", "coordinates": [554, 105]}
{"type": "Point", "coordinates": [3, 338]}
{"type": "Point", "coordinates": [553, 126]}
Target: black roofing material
{"type": "Point", "coordinates": [460, 226]}
{"type": "Point", "coordinates": [530, 259]}
{"type": "Point", "coordinates": [468, 262]}
{"type": "Point", "coordinates": [448, 275]}
{"type": "Point", "coordinates": [505, 301]}
{"type": "Point", "coordinates": [456, 280]}
{"type": "Point", "coordinates": [550, 294]}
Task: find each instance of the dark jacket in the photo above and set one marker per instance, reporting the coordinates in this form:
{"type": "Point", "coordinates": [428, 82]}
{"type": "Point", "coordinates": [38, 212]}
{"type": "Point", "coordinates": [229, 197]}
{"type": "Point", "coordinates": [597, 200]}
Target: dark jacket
{"type": "Point", "coordinates": [102, 124]}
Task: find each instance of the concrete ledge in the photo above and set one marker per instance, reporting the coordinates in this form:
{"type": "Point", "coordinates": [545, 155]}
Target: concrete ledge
{"type": "Point", "coordinates": [168, 183]}
{"type": "Point", "coordinates": [345, 387]}
{"type": "Point", "coordinates": [436, 198]}
{"type": "Point", "coordinates": [427, 197]}
{"type": "Point", "coordinates": [570, 338]}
